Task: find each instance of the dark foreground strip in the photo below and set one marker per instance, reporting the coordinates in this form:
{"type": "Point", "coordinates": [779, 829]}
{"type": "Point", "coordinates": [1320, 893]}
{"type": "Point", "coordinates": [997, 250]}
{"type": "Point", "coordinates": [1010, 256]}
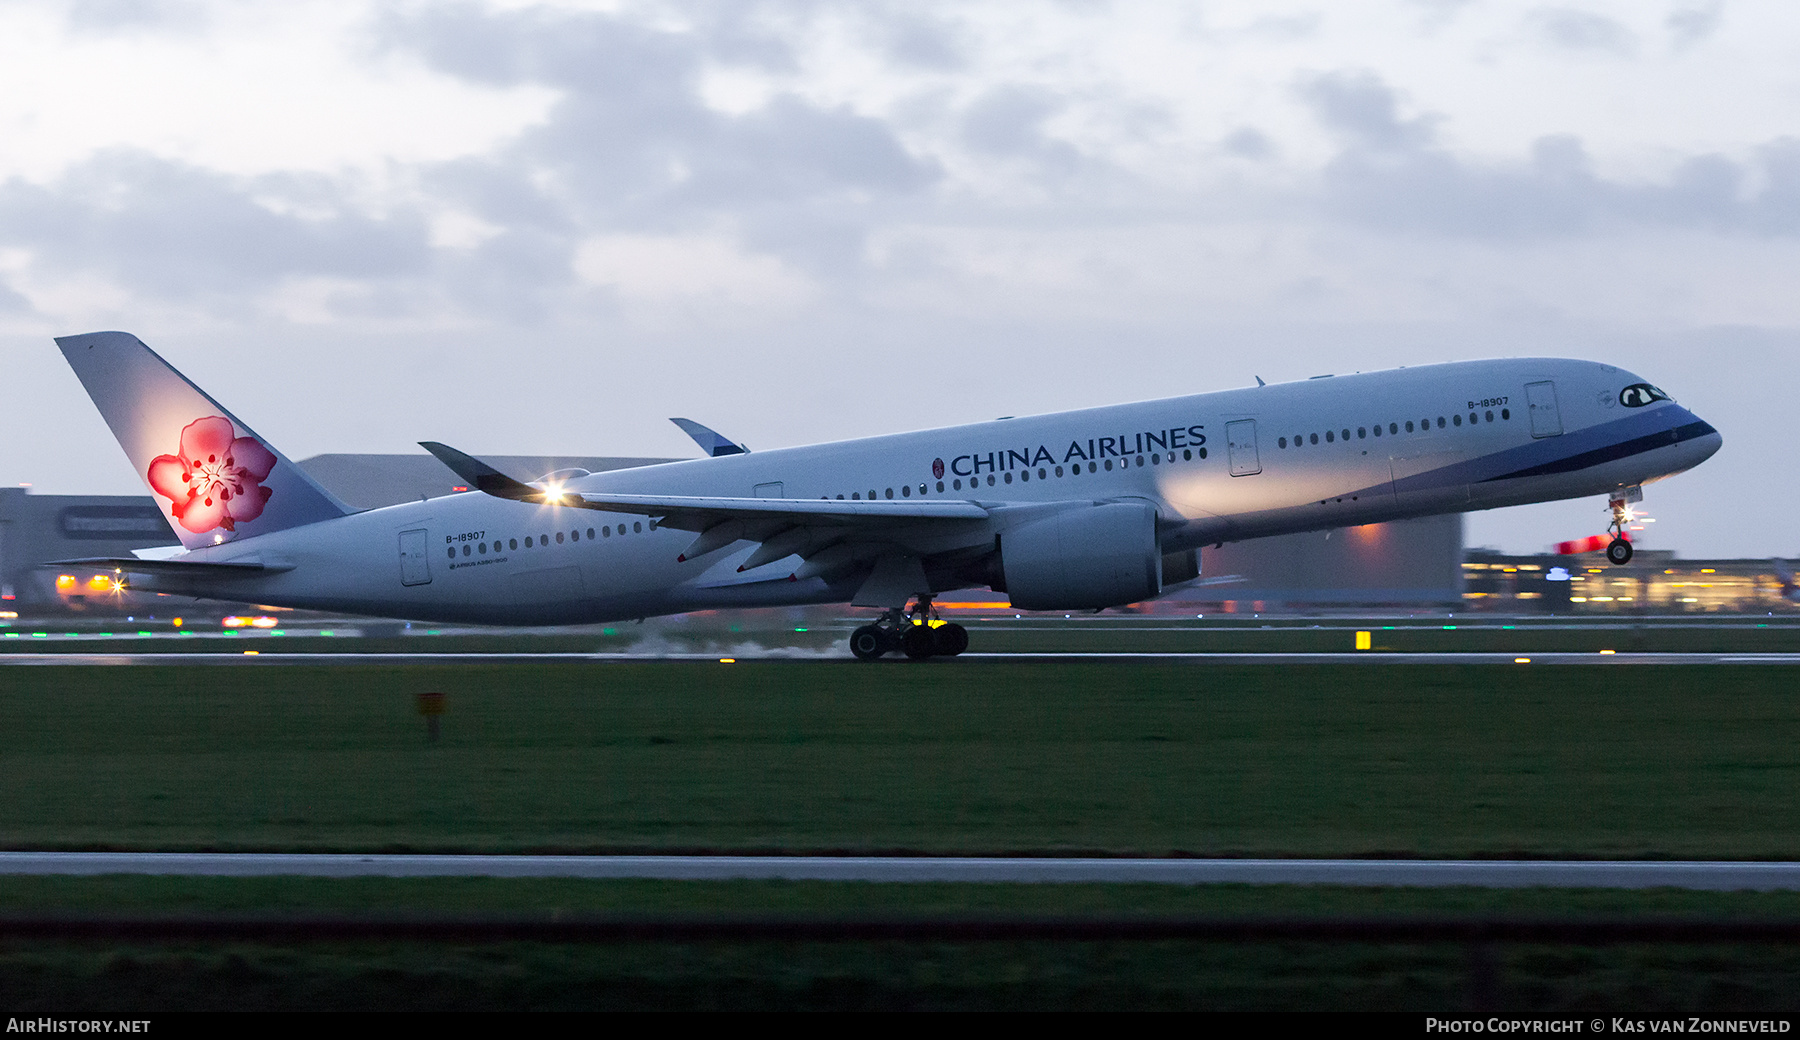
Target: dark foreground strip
{"type": "Point", "coordinates": [1581, 932]}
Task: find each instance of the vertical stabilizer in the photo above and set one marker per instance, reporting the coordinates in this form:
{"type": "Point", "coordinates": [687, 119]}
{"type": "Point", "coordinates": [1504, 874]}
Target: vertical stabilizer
{"type": "Point", "coordinates": [217, 479]}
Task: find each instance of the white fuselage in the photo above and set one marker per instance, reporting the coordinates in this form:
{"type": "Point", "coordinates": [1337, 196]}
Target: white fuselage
{"type": "Point", "coordinates": [1218, 467]}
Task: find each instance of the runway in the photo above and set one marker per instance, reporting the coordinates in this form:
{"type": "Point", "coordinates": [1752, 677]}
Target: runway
{"type": "Point", "coordinates": [1616, 874]}
{"type": "Point", "coordinates": [746, 655]}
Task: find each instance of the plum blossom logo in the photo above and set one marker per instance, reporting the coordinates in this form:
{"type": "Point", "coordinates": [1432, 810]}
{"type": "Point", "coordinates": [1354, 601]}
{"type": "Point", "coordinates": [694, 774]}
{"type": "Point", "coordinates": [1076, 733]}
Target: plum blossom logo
{"type": "Point", "coordinates": [216, 480]}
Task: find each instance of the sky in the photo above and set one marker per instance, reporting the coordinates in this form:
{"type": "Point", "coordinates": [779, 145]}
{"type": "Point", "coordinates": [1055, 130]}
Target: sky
{"type": "Point", "coordinates": [543, 228]}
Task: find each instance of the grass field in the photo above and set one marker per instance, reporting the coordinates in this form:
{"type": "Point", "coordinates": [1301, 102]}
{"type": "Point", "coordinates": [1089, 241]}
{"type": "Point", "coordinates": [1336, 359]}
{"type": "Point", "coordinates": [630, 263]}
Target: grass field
{"type": "Point", "coordinates": [64, 977]}
{"type": "Point", "coordinates": [971, 757]}
{"type": "Point", "coordinates": [974, 758]}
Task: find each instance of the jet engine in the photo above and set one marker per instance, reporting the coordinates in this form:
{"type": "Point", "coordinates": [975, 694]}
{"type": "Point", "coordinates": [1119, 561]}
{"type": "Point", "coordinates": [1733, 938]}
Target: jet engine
{"type": "Point", "coordinates": [1084, 558]}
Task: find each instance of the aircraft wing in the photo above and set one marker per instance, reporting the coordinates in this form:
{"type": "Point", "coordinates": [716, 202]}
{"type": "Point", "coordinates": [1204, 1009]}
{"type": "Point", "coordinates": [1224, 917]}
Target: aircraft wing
{"type": "Point", "coordinates": [694, 513]}
{"type": "Point", "coordinates": [831, 536]}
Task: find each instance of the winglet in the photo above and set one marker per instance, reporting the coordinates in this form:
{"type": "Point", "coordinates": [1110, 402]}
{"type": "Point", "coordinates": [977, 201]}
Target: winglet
{"type": "Point", "coordinates": [710, 440]}
{"type": "Point", "coordinates": [481, 476]}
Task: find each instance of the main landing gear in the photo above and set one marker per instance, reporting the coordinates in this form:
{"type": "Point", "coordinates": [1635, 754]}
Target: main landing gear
{"type": "Point", "coordinates": [918, 633]}
{"type": "Point", "coordinates": [1618, 551]}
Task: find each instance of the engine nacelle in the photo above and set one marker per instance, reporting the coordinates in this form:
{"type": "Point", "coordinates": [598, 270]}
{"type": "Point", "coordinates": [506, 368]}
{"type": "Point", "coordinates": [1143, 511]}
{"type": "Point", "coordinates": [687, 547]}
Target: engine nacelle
{"type": "Point", "coordinates": [1084, 558]}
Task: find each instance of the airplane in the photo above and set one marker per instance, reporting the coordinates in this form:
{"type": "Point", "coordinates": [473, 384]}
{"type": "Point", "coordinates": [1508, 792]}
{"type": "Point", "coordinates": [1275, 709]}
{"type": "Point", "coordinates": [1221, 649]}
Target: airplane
{"type": "Point", "coordinates": [1077, 510]}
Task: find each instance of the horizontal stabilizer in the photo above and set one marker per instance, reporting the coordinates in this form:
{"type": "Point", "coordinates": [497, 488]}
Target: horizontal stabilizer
{"type": "Point", "coordinates": [175, 568]}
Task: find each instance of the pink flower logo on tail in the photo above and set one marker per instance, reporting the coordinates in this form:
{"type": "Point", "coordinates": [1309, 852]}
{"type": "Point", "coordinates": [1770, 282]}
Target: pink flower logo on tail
{"type": "Point", "coordinates": [216, 481]}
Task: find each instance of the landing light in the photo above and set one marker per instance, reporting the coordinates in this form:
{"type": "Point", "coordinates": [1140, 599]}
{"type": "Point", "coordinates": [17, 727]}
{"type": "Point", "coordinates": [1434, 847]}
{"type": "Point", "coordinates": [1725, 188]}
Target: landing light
{"type": "Point", "coordinates": [65, 582]}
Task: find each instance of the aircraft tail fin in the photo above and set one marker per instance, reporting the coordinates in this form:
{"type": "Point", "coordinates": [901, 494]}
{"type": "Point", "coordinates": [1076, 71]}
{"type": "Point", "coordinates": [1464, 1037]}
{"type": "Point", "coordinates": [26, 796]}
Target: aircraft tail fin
{"type": "Point", "coordinates": [218, 480]}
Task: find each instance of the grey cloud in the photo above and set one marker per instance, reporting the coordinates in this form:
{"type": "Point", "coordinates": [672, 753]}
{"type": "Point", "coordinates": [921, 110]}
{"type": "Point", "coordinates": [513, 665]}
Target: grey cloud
{"type": "Point", "coordinates": [916, 41]}
{"type": "Point", "coordinates": [1583, 30]}
{"type": "Point", "coordinates": [180, 232]}
{"type": "Point", "coordinates": [1690, 23]}
{"type": "Point", "coordinates": [1248, 143]}
{"type": "Point", "coordinates": [120, 17]}
{"type": "Point", "coordinates": [1009, 121]}
{"type": "Point", "coordinates": [631, 145]}
{"type": "Point", "coordinates": [1361, 108]}
{"type": "Point", "coordinates": [1557, 194]}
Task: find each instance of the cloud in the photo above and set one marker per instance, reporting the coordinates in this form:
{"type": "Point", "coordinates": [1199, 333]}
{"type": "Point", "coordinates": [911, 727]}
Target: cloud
{"type": "Point", "coordinates": [164, 228]}
{"type": "Point", "coordinates": [1690, 23]}
{"type": "Point", "coordinates": [1361, 108]}
{"type": "Point", "coordinates": [632, 147]}
{"type": "Point", "coordinates": [1583, 31]}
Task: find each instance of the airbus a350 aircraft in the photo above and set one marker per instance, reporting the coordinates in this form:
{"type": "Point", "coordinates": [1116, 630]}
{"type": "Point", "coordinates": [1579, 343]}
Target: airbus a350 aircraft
{"type": "Point", "coordinates": [1070, 511]}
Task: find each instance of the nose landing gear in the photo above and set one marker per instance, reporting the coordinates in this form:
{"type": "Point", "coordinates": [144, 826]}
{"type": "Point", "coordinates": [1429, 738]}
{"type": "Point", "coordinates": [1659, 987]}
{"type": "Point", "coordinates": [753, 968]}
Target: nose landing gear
{"type": "Point", "coordinates": [917, 632]}
{"type": "Point", "coordinates": [1618, 551]}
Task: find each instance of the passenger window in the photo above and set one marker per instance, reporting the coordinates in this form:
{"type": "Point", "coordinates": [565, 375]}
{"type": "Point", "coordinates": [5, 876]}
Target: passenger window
{"type": "Point", "coordinates": [1409, 426]}
{"type": "Point", "coordinates": [590, 534]}
{"type": "Point", "coordinates": [638, 527]}
{"type": "Point", "coordinates": [1330, 437]}
{"type": "Point", "coordinates": [1394, 428]}
{"type": "Point", "coordinates": [1187, 454]}
{"type": "Point", "coordinates": [1472, 419]}
{"type": "Point", "coordinates": [956, 485]}
{"type": "Point", "coordinates": [453, 552]}
{"type": "Point", "coordinates": [1377, 429]}
{"type": "Point", "coordinates": [512, 543]}
{"type": "Point", "coordinates": [1041, 474]}
{"type": "Point", "coordinates": [543, 539]}
{"type": "Point", "coordinates": [1203, 453]}
{"type": "Point", "coordinates": [1490, 416]}
{"type": "Point", "coordinates": [1109, 465]}
{"type": "Point", "coordinates": [1458, 419]}
{"type": "Point", "coordinates": [890, 492]}
{"type": "Point", "coordinates": [1009, 478]}
{"type": "Point", "coordinates": [840, 498]}
{"type": "Point", "coordinates": [1362, 433]}
{"type": "Point", "coordinates": [990, 480]}
{"type": "Point", "coordinates": [1025, 475]}
{"type": "Point", "coordinates": [940, 487]}
{"type": "Point", "coordinates": [559, 538]}
{"type": "Point", "coordinates": [496, 545]}
{"type": "Point", "coordinates": [1346, 434]}
{"type": "Point", "coordinates": [527, 541]}
{"type": "Point", "coordinates": [906, 491]}
{"type": "Point", "coordinates": [1506, 413]}
{"type": "Point", "coordinates": [483, 547]}
{"type": "Point", "coordinates": [1440, 422]}
{"type": "Point", "coordinates": [871, 494]}
{"type": "Point", "coordinates": [857, 495]}
{"type": "Point", "coordinates": [575, 536]}
{"type": "Point", "coordinates": [605, 532]}
{"type": "Point", "coordinates": [1059, 471]}
{"type": "Point", "coordinates": [1092, 468]}
{"type": "Point", "coordinates": [1140, 462]}
{"type": "Point", "coordinates": [465, 549]}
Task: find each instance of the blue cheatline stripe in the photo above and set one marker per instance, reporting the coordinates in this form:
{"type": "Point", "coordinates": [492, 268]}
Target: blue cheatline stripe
{"type": "Point", "coordinates": [1613, 452]}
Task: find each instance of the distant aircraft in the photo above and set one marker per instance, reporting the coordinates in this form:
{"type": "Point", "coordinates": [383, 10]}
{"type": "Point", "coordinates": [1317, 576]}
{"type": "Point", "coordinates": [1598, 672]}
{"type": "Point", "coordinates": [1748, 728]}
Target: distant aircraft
{"type": "Point", "coordinates": [1076, 510]}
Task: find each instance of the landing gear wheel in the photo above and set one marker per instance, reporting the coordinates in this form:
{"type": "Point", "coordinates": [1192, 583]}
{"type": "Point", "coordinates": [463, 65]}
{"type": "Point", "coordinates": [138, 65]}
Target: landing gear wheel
{"type": "Point", "coordinates": [949, 640]}
{"type": "Point", "coordinates": [868, 643]}
{"type": "Point", "coordinates": [1619, 552]}
{"type": "Point", "coordinates": [918, 642]}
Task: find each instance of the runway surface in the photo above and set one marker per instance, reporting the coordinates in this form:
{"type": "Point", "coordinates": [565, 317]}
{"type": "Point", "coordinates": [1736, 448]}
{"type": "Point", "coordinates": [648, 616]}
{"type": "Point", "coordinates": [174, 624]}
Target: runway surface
{"type": "Point", "coordinates": [271, 658]}
{"type": "Point", "coordinates": [1713, 876]}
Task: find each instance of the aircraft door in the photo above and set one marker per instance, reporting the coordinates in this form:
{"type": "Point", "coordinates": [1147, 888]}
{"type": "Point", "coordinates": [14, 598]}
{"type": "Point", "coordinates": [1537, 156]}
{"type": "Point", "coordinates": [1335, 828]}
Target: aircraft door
{"type": "Point", "coordinates": [1546, 417]}
{"type": "Point", "coordinates": [415, 564]}
{"type": "Point", "coordinates": [1240, 443]}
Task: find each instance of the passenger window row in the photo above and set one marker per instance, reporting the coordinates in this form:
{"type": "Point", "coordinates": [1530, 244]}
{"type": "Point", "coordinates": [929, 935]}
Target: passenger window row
{"type": "Point", "coordinates": [606, 531]}
{"type": "Point", "coordinates": [1393, 428]}
{"type": "Point", "coordinates": [1024, 476]}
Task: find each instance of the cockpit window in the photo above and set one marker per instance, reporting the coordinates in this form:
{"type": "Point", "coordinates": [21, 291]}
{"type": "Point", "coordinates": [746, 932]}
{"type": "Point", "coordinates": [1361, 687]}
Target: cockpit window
{"type": "Point", "coordinates": [1637, 395]}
